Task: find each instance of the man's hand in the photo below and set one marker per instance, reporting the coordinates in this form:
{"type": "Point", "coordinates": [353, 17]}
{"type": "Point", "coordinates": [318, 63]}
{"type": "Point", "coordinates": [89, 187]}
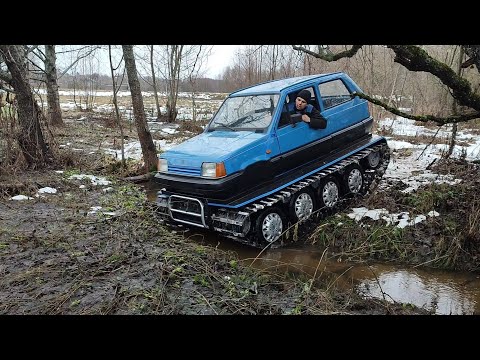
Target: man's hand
{"type": "Point", "coordinates": [306, 118]}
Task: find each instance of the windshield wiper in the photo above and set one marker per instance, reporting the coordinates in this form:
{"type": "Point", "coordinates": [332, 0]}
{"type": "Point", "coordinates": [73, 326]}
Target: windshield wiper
{"type": "Point", "coordinates": [225, 126]}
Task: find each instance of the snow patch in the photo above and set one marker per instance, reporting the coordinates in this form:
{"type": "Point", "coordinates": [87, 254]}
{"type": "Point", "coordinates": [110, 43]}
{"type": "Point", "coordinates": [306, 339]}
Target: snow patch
{"type": "Point", "coordinates": [401, 220]}
{"type": "Point", "coordinates": [47, 190]}
{"type": "Point", "coordinates": [93, 179]}
{"type": "Point", "coordinates": [21, 197]}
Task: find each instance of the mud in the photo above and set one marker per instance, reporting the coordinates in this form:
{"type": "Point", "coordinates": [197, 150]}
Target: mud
{"type": "Point", "coordinates": [57, 256]}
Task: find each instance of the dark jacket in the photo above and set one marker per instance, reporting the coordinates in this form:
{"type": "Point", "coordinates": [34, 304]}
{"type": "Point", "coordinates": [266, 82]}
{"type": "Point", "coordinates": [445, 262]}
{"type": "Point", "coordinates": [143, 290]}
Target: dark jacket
{"type": "Point", "coordinates": [317, 121]}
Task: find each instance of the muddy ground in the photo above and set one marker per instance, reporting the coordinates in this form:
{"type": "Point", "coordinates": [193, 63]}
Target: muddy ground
{"type": "Point", "coordinates": [58, 255]}
{"type": "Point", "coordinates": [448, 241]}
{"type": "Point", "coordinates": [56, 258]}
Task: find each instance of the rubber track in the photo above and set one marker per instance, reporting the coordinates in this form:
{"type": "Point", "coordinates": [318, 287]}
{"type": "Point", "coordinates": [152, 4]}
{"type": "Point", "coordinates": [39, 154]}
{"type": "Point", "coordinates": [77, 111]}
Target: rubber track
{"type": "Point", "coordinates": [229, 222]}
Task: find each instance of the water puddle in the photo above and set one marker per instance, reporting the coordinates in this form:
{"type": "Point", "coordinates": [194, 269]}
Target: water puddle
{"type": "Point", "coordinates": [444, 292]}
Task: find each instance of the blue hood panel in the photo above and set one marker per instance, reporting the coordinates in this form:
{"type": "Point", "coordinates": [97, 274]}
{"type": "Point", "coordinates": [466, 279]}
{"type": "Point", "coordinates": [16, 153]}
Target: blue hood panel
{"type": "Point", "coordinates": [212, 146]}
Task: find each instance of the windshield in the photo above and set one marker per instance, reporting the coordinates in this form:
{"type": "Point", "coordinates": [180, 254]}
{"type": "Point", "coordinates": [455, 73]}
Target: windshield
{"type": "Point", "coordinates": [245, 113]}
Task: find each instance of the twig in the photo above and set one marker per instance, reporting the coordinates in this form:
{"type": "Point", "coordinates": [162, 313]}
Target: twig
{"type": "Point", "coordinates": [316, 269]}
{"type": "Point", "coordinates": [430, 143]}
{"type": "Point", "coordinates": [429, 261]}
{"type": "Point", "coordinates": [208, 303]}
{"type": "Point", "coordinates": [338, 277]}
{"type": "Point", "coordinates": [261, 252]}
{"type": "Point", "coordinates": [139, 178]}
{"type": "Point", "coordinates": [378, 282]}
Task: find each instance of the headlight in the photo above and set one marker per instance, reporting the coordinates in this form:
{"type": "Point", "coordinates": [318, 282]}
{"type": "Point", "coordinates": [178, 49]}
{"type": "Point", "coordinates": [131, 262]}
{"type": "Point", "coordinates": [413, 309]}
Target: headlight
{"type": "Point", "coordinates": [213, 170]}
{"type": "Point", "coordinates": [162, 165]}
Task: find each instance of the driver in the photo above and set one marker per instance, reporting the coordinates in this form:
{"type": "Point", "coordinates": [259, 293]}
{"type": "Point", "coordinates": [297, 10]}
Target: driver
{"type": "Point", "coordinates": [310, 114]}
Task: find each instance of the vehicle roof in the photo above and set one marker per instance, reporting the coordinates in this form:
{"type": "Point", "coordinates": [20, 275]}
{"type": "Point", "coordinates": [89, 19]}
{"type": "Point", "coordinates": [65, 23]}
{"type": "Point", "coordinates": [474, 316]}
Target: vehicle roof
{"type": "Point", "coordinates": [276, 86]}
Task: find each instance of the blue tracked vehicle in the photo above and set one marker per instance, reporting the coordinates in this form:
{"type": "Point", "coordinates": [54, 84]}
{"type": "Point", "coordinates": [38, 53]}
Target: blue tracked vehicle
{"type": "Point", "coordinates": [256, 168]}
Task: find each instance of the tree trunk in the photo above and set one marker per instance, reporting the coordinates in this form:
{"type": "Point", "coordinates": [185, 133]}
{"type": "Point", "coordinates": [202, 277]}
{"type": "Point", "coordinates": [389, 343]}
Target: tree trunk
{"type": "Point", "coordinates": [155, 91]}
{"type": "Point", "coordinates": [175, 59]}
{"type": "Point", "coordinates": [54, 111]}
{"type": "Point", "coordinates": [115, 103]}
{"type": "Point", "coordinates": [144, 135]}
{"type": "Point", "coordinates": [454, 107]}
{"type": "Point", "coordinates": [30, 138]}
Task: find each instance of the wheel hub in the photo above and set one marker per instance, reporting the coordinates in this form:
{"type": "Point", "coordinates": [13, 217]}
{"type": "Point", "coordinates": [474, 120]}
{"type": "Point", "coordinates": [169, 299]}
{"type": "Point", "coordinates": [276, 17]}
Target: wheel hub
{"type": "Point", "coordinates": [272, 227]}
{"type": "Point", "coordinates": [373, 159]}
{"type": "Point", "coordinates": [330, 194]}
{"type": "Point", "coordinates": [303, 206]}
{"type": "Point", "coordinates": [355, 181]}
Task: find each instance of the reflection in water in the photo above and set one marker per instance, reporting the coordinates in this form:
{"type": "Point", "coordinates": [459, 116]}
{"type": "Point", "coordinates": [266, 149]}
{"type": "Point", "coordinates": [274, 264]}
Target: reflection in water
{"type": "Point", "coordinates": [445, 292]}
{"type": "Point", "coordinates": [442, 291]}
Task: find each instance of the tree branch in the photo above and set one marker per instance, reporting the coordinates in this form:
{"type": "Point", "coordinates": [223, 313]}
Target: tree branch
{"type": "Point", "coordinates": [38, 67]}
{"type": "Point", "coordinates": [415, 58]}
{"type": "Point", "coordinates": [31, 48]}
{"type": "Point", "coordinates": [73, 50]}
{"type": "Point", "coordinates": [77, 60]}
{"type": "Point", "coordinates": [329, 56]}
{"type": "Point", "coordinates": [422, 118]}
{"type": "Point", "coordinates": [40, 53]}
{"type": "Point", "coordinates": [41, 79]}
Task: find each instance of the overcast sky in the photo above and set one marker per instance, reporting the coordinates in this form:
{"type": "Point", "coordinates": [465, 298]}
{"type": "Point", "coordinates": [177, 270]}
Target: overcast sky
{"type": "Point", "coordinates": [221, 57]}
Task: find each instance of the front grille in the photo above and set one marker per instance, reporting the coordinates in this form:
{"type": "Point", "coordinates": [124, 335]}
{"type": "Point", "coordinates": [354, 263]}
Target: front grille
{"type": "Point", "coordinates": [184, 170]}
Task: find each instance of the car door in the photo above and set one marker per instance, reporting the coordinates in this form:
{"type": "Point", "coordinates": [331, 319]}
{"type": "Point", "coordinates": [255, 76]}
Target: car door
{"type": "Point", "coordinates": [344, 115]}
{"type": "Point", "coordinates": [299, 144]}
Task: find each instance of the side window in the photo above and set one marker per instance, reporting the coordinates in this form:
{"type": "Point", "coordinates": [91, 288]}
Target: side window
{"type": "Point", "coordinates": [334, 93]}
{"type": "Point", "coordinates": [290, 104]}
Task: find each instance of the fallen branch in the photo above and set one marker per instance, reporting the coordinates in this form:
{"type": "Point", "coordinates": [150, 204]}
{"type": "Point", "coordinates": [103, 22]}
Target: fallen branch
{"type": "Point", "coordinates": [139, 178]}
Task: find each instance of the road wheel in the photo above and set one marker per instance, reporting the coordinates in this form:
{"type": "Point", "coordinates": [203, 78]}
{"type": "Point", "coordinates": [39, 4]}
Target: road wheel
{"type": "Point", "coordinates": [353, 179]}
{"type": "Point", "coordinates": [373, 159]}
{"type": "Point", "coordinates": [328, 192]}
{"type": "Point", "coordinates": [302, 205]}
{"type": "Point", "coordinates": [270, 225]}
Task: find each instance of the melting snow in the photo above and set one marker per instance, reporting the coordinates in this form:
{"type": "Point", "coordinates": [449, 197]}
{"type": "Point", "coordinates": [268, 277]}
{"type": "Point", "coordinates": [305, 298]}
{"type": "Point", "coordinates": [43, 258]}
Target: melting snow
{"type": "Point", "coordinates": [94, 179]}
{"type": "Point", "coordinates": [21, 197]}
{"type": "Point", "coordinates": [401, 219]}
{"type": "Point", "coordinates": [47, 190]}
{"type": "Point", "coordinates": [96, 209]}
{"type": "Point", "coordinates": [169, 130]}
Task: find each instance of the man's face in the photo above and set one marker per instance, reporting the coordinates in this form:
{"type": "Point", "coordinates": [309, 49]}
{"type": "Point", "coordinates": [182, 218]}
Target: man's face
{"type": "Point", "coordinates": [300, 103]}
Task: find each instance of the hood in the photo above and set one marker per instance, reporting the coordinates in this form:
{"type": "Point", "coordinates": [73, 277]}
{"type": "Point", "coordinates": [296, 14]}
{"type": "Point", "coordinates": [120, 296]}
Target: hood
{"type": "Point", "coordinates": [214, 146]}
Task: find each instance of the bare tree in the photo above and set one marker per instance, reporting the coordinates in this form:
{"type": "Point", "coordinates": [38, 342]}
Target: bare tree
{"type": "Point", "coordinates": [258, 63]}
{"type": "Point", "coordinates": [454, 107]}
{"type": "Point", "coordinates": [49, 74]}
{"type": "Point", "coordinates": [194, 66]}
{"type": "Point", "coordinates": [30, 138]}
{"type": "Point", "coordinates": [154, 80]}
{"type": "Point", "coordinates": [80, 56]}
{"type": "Point", "coordinates": [180, 63]}
{"type": "Point", "coordinates": [144, 135]}
{"type": "Point", "coordinates": [115, 103]}
{"type": "Point", "coordinates": [53, 99]}
{"type": "Point", "coordinates": [87, 67]}
{"type": "Point", "coordinates": [175, 53]}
